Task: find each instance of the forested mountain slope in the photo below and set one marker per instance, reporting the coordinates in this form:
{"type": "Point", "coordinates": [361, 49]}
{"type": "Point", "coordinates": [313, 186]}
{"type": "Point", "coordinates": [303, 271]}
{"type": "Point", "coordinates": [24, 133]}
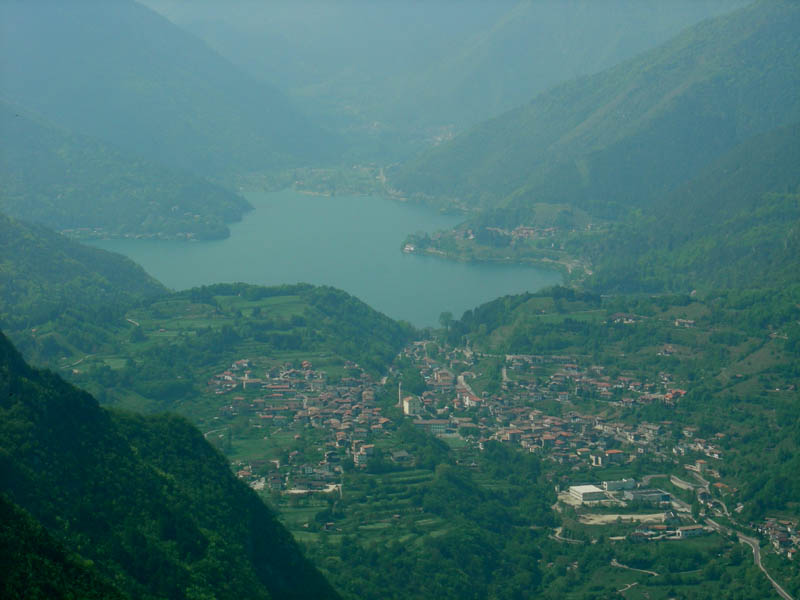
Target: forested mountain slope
{"type": "Point", "coordinates": [43, 274]}
{"type": "Point", "coordinates": [117, 71]}
{"type": "Point", "coordinates": [147, 502]}
{"type": "Point", "coordinates": [735, 225]}
{"type": "Point", "coordinates": [626, 136]}
{"type": "Point", "coordinates": [70, 181]}
{"type": "Point", "coordinates": [37, 566]}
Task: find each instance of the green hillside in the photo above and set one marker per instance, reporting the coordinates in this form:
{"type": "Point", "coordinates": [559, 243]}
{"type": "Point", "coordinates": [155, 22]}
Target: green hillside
{"type": "Point", "coordinates": [147, 502]}
{"type": "Point", "coordinates": [162, 353]}
{"type": "Point", "coordinates": [735, 225]}
{"type": "Point", "coordinates": [43, 275]}
{"type": "Point", "coordinates": [735, 353]}
{"type": "Point", "coordinates": [153, 90]}
{"type": "Point", "coordinates": [62, 302]}
{"type": "Point", "coordinates": [626, 136]}
{"type": "Point", "coordinates": [70, 181]}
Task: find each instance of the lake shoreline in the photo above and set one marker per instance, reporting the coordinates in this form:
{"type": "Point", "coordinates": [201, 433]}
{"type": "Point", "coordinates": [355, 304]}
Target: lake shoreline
{"type": "Point", "coordinates": [353, 244]}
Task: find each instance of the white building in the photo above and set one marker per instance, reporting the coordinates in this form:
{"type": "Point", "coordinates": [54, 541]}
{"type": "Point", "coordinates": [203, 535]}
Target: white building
{"type": "Point", "coordinates": [411, 405]}
{"type": "Point", "coordinates": [586, 493]}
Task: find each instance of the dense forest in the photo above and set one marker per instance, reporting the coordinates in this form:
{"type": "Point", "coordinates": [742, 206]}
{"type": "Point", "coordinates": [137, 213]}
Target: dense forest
{"type": "Point", "coordinates": [46, 276]}
{"type": "Point", "coordinates": [734, 225]}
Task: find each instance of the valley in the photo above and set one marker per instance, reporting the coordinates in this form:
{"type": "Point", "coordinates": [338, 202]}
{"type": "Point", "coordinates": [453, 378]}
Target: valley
{"type": "Point", "coordinates": [356, 300]}
{"type": "Point", "coordinates": [354, 460]}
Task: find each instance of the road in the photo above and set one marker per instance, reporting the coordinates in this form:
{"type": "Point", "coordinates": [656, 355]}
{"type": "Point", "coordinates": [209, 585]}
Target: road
{"type": "Point", "coordinates": [77, 362]}
{"type": "Point", "coordinates": [615, 563]}
{"type": "Point", "coordinates": [707, 488]}
{"type": "Point", "coordinates": [627, 587]}
{"type": "Point", "coordinates": [754, 545]}
{"type": "Point", "coordinates": [208, 433]}
{"type": "Point", "coordinates": [679, 504]}
{"type": "Point", "coordinates": [756, 548]}
{"type": "Point", "coordinates": [684, 485]}
{"type": "Point", "coordinates": [557, 536]}
{"type": "Point", "coordinates": [646, 479]}
{"type": "Point", "coordinates": [463, 383]}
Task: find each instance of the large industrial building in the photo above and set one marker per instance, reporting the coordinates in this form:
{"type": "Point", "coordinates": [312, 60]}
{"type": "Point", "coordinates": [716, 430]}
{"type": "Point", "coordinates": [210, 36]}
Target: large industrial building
{"type": "Point", "coordinates": [587, 493]}
{"type": "Point", "coordinates": [654, 497]}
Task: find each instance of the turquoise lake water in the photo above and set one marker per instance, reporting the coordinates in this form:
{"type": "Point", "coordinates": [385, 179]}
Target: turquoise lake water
{"type": "Point", "coordinates": [350, 242]}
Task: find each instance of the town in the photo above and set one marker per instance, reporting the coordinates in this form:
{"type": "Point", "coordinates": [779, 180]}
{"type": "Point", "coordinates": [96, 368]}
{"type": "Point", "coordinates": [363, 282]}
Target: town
{"type": "Point", "coordinates": [528, 404]}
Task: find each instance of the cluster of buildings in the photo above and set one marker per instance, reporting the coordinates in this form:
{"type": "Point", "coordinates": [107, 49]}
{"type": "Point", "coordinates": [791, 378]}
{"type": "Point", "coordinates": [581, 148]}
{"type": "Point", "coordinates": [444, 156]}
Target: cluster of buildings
{"type": "Point", "coordinates": [626, 490]}
{"type": "Point", "coordinates": [296, 397]}
{"type": "Point", "coordinates": [693, 444]}
{"type": "Point", "coordinates": [782, 534]}
{"type": "Point", "coordinates": [560, 377]}
{"type": "Point", "coordinates": [450, 406]}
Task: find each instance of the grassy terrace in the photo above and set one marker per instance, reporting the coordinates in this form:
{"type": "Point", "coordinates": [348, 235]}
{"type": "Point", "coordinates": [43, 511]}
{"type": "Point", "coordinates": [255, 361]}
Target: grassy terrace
{"type": "Point", "coordinates": [378, 508]}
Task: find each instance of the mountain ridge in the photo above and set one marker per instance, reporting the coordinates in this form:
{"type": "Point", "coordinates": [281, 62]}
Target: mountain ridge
{"type": "Point", "coordinates": [155, 90]}
{"type": "Point", "coordinates": [575, 143]}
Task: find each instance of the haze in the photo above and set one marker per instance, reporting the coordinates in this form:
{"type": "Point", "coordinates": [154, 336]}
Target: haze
{"type": "Point", "coordinates": [371, 300]}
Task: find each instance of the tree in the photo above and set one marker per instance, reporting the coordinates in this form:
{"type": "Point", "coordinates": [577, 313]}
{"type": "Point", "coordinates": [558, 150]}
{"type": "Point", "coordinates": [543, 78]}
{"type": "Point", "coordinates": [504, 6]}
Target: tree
{"type": "Point", "coordinates": [446, 320]}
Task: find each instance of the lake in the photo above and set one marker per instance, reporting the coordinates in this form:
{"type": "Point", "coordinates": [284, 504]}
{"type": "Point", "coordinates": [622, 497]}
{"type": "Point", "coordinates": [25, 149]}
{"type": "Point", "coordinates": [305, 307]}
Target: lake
{"type": "Point", "coordinates": [350, 242]}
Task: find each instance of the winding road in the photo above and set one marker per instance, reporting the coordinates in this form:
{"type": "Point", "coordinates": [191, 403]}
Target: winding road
{"type": "Point", "coordinates": [755, 546]}
{"type": "Point", "coordinates": [557, 536]}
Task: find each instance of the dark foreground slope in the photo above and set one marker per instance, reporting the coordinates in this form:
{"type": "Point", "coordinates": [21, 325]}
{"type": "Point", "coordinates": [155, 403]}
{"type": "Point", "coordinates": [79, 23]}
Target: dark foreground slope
{"type": "Point", "coordinates": [37, 566]}
{"type": "Point", "coordinates": [145, 503]}
{"type": "Point", "coordinates": [627, 136]}
{"type": "Point", "coordinates": [70, 181]}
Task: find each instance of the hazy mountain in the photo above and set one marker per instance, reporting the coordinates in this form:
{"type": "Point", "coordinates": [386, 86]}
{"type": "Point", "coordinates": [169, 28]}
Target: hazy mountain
{"type": "Point", "coordinates": [408, 69]}
{"type": "Point", "coordinates": [632, 133]}
{"type": "Point", "coordinates": [534, 45]}
{"type": "Point", "coordinates": [71, 181]}
{"type": "Point", "coordinates": [43, 273]}
{"type": "Point", "coordinates": [147, 502]}
{"type": "Point", "coordinates": [116, 70]}
{"type": "Point", "coordinates": [346, 62]}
